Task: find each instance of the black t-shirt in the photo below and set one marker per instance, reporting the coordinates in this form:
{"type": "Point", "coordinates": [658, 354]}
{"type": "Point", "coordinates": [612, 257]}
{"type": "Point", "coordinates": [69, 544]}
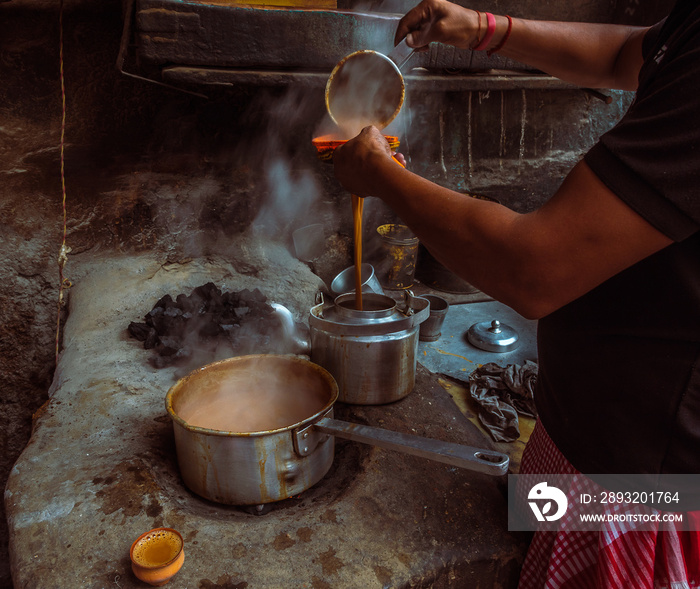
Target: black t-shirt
{"type": "Point", "coordinates": [619, 382]}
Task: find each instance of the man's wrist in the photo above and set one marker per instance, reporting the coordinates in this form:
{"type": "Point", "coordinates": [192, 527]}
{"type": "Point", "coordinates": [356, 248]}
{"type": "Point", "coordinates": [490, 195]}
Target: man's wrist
{"type": "Point", "coordinates": [504, 27]}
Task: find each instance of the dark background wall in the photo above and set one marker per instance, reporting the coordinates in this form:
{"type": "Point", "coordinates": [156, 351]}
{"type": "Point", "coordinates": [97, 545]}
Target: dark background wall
{"type": "Point", "coordinates": [148, 167]}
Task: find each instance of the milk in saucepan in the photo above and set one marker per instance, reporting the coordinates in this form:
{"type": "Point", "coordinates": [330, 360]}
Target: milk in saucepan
{"type": "Point", "coordinates": [253, 398]}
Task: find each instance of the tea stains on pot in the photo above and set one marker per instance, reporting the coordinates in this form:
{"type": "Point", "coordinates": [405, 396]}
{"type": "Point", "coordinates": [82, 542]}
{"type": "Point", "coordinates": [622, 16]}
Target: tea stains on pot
{"type": "Point", "coordinates": [207, 467]}
{"type": "Point", "coordinates": [283, 472]}
{"type": "Point", "coordinates": [288, 469]}
{"type": "Point", "coordinates": [262, 460]}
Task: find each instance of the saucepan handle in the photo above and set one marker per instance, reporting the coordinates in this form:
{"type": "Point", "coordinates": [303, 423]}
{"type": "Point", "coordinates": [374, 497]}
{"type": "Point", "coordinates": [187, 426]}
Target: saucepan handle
{"type": "Point", "coordinates": [484, 461]}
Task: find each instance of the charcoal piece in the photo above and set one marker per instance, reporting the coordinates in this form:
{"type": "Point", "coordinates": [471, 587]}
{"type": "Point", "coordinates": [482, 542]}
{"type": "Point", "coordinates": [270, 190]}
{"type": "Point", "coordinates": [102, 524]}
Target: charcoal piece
{"type": "Point", "coordinates": [229, 317]}
{"type": "Point", "coordinates": [209, 327]}
{"type": "Point", "coordinates": [152, 340]}
{"type": "Point", "coordinates": [232, 331]}
{"type": "Point", "coordinates": [264, 324]}
{"type": "Point", "coordinates": [207, 324]}
{"type": "Point", "coordinates": [152, 316]}
{"type": "Point", "coordinates": [158, 322]}
{"type": "Point", "coordinates": [230, 299]}
{"type": "Point", "coordinates": [172, 312]}
{"type": "Point", "coordinates": [197, 304]}
{"type": "Point", "coordinates": [164, 302]}
{"type": "Point", "coordinates": [251, 296]}
{"type": "Point", "coordinates": [182, 355]}
{"type": "Point", "coordinates": [216, 303]}
{"type": "Point", "coordinates": [170, 325]}
{"type": "Point", "coordinates": [261, 308]}
{"type": "Point", "coordinates": [158, 361]}
{"type": "Point", "coordinates": [186, 304]}
{"type": "Point", "coordinates": [169, 346]}
{"type": "Point", "coordinates": [139, 331]}
{"type": "Point", "coordinates": [207, 292]}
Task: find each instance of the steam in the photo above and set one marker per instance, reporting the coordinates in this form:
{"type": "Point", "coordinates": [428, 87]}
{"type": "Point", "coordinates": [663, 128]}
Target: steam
{"type": "Point", "coordinates": [252, 395]}
{"type": "Point", "coordinates": [291, 199]}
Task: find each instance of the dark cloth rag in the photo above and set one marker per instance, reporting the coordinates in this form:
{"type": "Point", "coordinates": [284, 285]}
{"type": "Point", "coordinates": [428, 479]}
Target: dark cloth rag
{"type": "Point", "coordinates": [502, 393]}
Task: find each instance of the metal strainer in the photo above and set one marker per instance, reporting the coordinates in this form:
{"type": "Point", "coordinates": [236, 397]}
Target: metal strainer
{"type": "Point", "coordinates": [367, 88]}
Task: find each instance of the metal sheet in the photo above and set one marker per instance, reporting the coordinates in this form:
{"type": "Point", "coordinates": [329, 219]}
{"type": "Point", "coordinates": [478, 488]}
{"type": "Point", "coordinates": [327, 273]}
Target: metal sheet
{"type": "Point", "coordinates": [454, 356]}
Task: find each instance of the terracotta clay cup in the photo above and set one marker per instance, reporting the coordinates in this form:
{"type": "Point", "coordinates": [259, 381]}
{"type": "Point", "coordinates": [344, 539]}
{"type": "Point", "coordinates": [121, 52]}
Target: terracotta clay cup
{"type": "Point", "coordinates": [157, 556]}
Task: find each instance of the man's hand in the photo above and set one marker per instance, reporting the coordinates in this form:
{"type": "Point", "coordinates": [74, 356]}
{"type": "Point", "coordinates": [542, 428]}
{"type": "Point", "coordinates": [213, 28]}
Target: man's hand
{"type": "Point", "coordinates": [441, 21]}
{"type": "Point", "coordinates": [356, 162]}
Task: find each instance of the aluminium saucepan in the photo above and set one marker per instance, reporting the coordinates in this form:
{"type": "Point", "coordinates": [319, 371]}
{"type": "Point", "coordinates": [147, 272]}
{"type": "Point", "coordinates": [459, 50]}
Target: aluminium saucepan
{"type": "Point", "coordinates": [286, 404]}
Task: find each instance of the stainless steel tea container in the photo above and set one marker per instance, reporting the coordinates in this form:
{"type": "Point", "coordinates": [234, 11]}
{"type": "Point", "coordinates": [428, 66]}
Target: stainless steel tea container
{"type": "Point", "coordinates": [371, 353]}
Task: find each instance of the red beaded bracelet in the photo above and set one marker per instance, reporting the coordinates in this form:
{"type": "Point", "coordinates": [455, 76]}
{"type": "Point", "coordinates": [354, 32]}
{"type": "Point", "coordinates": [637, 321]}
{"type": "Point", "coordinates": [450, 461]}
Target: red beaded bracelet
{"type": "Point", "coordinates": [491, 20]}
{"type": "Point", "coordinates": [504, 39]}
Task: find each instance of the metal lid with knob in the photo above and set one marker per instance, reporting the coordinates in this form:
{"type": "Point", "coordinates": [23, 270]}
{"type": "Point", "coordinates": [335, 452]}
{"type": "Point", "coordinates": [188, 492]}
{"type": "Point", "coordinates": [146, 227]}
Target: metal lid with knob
{"type": "Point", "coordinates": [493, 336]}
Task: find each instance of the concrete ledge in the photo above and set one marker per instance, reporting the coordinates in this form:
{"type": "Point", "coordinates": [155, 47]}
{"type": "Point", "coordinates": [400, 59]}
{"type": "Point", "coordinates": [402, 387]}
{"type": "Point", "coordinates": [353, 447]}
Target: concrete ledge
{"type": "Point", "coordinates": [215, 35]}
{"type": "Point", "coordinates": [100, 469]}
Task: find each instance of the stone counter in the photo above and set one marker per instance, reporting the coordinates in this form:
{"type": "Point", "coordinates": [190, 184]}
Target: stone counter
{"type": "Point", "coordinates": [100, 469]}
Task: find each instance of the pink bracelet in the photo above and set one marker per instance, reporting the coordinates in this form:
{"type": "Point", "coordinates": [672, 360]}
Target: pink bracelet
{"type": "Point", "coordinates": [491, 20]}
{"type": "Point", "coordinates": [505, 38]}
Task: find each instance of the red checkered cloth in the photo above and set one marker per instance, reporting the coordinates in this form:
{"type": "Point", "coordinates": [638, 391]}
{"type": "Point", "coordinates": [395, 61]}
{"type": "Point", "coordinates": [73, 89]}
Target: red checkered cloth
{"type": "Point", "coordinates": [616, 557]}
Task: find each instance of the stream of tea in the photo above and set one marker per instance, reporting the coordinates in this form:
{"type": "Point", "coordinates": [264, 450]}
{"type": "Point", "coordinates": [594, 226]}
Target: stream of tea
{"type": "Point", "coordinates": [325, 145]}
{"type": "Point", "coordinates": [357, 206]}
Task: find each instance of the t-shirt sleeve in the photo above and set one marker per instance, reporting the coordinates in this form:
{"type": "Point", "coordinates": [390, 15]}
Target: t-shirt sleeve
{"type": "Point", "coordinates": [651, 37]}
{"type": "Point", "coordinates": [651, 158]}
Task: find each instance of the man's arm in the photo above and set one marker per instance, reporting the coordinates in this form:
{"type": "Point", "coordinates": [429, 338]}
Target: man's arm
{"type": "Point", "coordinates": [534, 262]}
{"type": "Point", "coordinates": [585, 54]}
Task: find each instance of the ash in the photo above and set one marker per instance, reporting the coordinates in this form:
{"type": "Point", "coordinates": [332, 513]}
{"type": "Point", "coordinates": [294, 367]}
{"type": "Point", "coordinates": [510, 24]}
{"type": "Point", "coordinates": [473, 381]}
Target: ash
{"type": "Point", "coordinates": [208, 325]}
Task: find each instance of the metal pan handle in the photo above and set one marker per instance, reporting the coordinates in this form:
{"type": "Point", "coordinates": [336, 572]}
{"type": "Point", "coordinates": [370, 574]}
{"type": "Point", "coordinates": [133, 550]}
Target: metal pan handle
{"type": "Point", "coordinates": [484, 461]}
